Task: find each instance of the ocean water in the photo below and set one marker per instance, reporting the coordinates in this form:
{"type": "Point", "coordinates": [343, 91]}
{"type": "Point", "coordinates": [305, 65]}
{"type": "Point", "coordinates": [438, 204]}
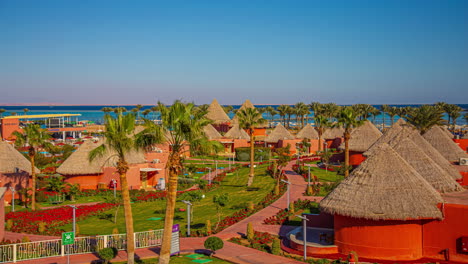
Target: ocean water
{"type": "Point", "coordinates": [94, 113]}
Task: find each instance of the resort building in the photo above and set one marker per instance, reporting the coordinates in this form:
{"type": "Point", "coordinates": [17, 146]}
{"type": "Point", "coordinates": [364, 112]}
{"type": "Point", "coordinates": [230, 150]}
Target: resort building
{"type": "Point", "coordinates": [260, 130]}
{"type": "Point", "coordinates": [280, 137]}
{"type": "Point", "coordinates": [333, 137]}
{"type": "Point", "coordinates": [310, 134]}
{"type": "Point", "coordinates": [235, 138]}
{"type": "Point", "coordinates": [444, 144]}
{"type": "Point", "coordinates": [221, 120]}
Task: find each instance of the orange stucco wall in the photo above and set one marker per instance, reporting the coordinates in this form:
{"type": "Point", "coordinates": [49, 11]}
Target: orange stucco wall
{"type": "Point", "coordinates": [445, 234]}
{"type": "Point", "coordinates": [8, 127]}
{"type": "Point", "coordinates": [463, 143]}
{"type": "Point", "coordinates": [356, 158]}
{"type": "Point", "coordinates": [258, 131]}
{"type": "Point", "coordinates": [15, 180]}
{"type": "Point", "coordinates": [386, 240]}
{"type": "Point", "coordinates": [85, 181]}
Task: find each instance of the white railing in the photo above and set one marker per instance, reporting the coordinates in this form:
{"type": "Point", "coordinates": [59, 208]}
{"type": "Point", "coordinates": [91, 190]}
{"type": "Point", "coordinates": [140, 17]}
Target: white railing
{"type": "Point", "coordinates": [82, 245]}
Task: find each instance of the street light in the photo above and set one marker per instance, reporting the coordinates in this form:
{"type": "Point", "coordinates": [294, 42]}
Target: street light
{"type": "Point", "coordinates": [288, 183]}
{"type": "Point", "coordinates": [304, 233]}
{"type": "Point", "coordinates": [189, 206]}
{"type": "Point", "coordinates": [74, 218]}
{"type": "Point", "coordinates": [209, 175]}
{"type": "Point", "coordinates": [114, 184]}
{"type": "Point", "coordinates": [12, 198]}
{"type": "Point", "coordinates": [309, 173]}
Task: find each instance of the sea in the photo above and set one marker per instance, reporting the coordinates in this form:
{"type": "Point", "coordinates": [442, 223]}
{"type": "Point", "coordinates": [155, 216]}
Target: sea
{"type": "Point", "coordinates": [94, 113]}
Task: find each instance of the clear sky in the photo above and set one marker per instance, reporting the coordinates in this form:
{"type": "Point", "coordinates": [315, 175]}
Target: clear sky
{"type": "Point", "coordinates": [271, 52]}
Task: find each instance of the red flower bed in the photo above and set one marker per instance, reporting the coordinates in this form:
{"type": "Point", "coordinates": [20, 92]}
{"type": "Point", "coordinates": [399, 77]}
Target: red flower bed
{"type": "Point", "coordinates": [27, 222]}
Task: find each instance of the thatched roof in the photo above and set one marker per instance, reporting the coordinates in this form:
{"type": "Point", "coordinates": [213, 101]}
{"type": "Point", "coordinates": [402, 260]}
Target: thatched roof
{"type": "Point", "coordinates": [384, 187]}
{"type": "Point", "coordinates": [217, 114]}
{"type": "Point", "coordinates": [2, 191]}
{"type": "Point", "coordinates": [78, 163]}
{"type": "Point", "coordinates": [237, 133]}
{"type": "Point", "coordinates": [11, 160]}
{"type": "Point", "coordinates": [423, 164]}
{"type": "Point", "coordinates": [307, 132]}
{"type": "Point", "coordinates": [279, 133]}
{"type": "Point", "coordinates": [332, 133]}
{"type": "Point", "coordinates": [440, 141]}
{"type": "Point", "coordinates": [389, 134]}
{"type": "Point", "coordinates": [427, 148]}
{"type": "Point", "coordinates": [446, 131]}
{"type": "Point", "coordinates": [211, 132]}
{"type": "Point", "coordinates": [245, 105]}
{"type": "Point", "coordinates": [363, 137]}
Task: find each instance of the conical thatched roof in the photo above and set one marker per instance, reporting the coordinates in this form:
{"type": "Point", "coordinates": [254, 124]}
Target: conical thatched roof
{"type": "Point", "coordinates": [245, 105]}
{"type": "Point", "coordinates": [237, 133]}
{"type": "Point", "coordinates": [79, 164]}
{"type": "Point", "coordinates": [440, 141]}
{"type": "Point", "coordinates": [389, 134]}
{"type": "Point", "coordinates": [424, 165]}
{"type": "Point", "coordinates": [217, 114]}
{"type": "Point", "coordinates": [11, 160]}
{"type": "Point", "coordinates": [211, 132]}
{"type": "Point", "coordinates": [332, 133]}
{"type": "Point", "coordinates": [384, 187]}
{"type": "Point", "coordinates": [279, 133]}
{"type": "Point", "coordinates": [446, 131]}
{"type": "Point", "coordinates": [363, 137]}
{"type": "Point", "coordinates": [307, 132]}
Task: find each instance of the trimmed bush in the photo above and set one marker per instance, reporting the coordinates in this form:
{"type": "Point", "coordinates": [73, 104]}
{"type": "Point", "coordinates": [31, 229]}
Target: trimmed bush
{"type": "Point", "coordinates": [250, 231]}
{"type": "Point", "coordinates": [276, 247]}
{"type": "Point", "coordinates": [208, 227]}
{"type": "Point", "coordinates": [107, 254]}
{"type": "Point", "coordinates": [213, 244]}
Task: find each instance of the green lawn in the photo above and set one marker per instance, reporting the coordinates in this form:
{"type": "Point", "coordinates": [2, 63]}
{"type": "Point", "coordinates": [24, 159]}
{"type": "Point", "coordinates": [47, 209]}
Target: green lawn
{"type": "Point", "coordinates": [324, 175]}
{"type": "Point", "coordinates": [182, 259]}
{"type": "Point", "coordinates": [234, 185]}
{"type": "Point", "coordinates": [79, 200]}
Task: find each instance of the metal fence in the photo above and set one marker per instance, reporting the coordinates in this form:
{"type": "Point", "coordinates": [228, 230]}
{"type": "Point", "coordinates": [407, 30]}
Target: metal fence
{"type": "Point", "coordinates": [82, 245]}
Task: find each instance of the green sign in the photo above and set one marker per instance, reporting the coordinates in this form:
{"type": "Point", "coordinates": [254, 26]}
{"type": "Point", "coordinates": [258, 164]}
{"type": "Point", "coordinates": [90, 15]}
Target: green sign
{"type": "Point", "coordinates": [68, 238]}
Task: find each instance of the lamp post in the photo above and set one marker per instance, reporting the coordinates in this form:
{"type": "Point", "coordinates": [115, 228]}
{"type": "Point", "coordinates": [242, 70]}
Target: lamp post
{"type": "Point", "coordinates": [114, 184]}
{"type": "Point", "coordinates": [216, 164]}
{"type": "Point", "coordinates": [309, 174]}
{"type": "Point", "coordinates": [288, 183]}
{"type": "Point", "coordinates": [74, 218]}
{"type": "Point", "coordinates": [304, 233]}
{"type": "Point", "coordinates": [189, 207]}
{"type": "Point", "coordinates": [12, 198]}
{"type": "Point", "coordinates": [209, 175]}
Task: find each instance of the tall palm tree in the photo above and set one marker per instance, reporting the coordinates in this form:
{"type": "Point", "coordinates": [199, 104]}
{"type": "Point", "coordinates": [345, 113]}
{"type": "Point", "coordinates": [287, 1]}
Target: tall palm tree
{"type": "Point", "coordinates": [119, 110]}
{"type": "Point", "coordinates": [425, 117]}
{"type": "Point", "coordinates": [146, 112]}
{"type": "Point", "coordinates": [375, 112]}
{"type": "Point", "coordinates": [302, 110]}
{"type": "Point", "coordinates": [25, 110]}
{"type": "Point", "coordinates": [154, 109]}
{"type": "Point", "coordinates": [316, 107]}
{"type": "Point", "coordinates": [34, 137]}
{"type": "Point", "coordinates": [321, 124]}
{"type": "Point", "coordinates": [228, 108]}
{"type": "Point", "coordinates": [2, 110]}
{"type": "Point", "coordinates": [453, 112]}
{"type": "Point", "coordinates": [180, 125]}
{"type": "Point", "coordinates": [347, 119]}
{"type": "Point", "coordinates": [248, 119]}
{"type": "Point", "coordinates": [330, 110]}
{"type": "Point", "coordinates": [106, 109]}
{"type": "Point", "coordinates": [384, 109]}
{"type": "Point", "coordinates": [283, 112]}
{"type": "Point", "coordinates": [392, 112]}
{"type": "Point", "coordinates": [119, 134]}
{"type": "Point", "coordinates": [289, 111]}
{"type": "Point", "coordinates": [272, 112]}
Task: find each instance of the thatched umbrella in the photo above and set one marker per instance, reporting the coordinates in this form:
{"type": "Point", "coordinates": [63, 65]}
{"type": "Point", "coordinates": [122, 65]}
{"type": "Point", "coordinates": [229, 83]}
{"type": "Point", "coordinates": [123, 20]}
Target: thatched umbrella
{"type": "Point", "coordinates": [217, 114]}
{"type": "Point", "coordinates": [211, 132]}
{"type": "Point", "coordinates": [363, 137]}
{"type": "Point", "coordinates": [11, 161]}
{"type": "Point", "coordinates": [423, 164]}
{"type": "Point", "coordinates": [384, 187]}
{"type": "Point", "coordinates": [237, 133]}
{"type": "Point", "coordinates": [78, 163]}
{"type": "Point", "coordinates": [332, 133]}
{"type": "Point", "coordinates": [440, 141]}
{"type": "Point", "coordinates": [307, 132]}
{"type": "Point", "coordinates": [279, 133]}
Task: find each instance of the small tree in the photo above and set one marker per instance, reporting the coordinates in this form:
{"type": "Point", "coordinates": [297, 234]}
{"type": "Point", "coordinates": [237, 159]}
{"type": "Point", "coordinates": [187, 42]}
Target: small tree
{"type": "Point", "coordinates": [213, 244]}
{"type": "Point", "coordinates": [220, 201]}
{"type": "Point", "coordinates": [107, 254]}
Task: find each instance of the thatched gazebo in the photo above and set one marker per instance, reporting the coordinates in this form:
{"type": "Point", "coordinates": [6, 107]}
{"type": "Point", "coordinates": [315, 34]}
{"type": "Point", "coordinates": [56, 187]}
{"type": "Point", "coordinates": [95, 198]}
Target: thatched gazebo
{"type": "Point", "coordinates": [444, 144]}
{"type": "Point", "coordinates": [211, 132]}
{"type": "Point", "coordinates": [308, 132]}
{"type": "Point", "coordinates": [279, 133]}
{"type": "Point", "coordinates": [382, 195]}
{"type": "Point", "coordinates": [363, 137]}
{"type": "Point", "coordinates": [237, 133]}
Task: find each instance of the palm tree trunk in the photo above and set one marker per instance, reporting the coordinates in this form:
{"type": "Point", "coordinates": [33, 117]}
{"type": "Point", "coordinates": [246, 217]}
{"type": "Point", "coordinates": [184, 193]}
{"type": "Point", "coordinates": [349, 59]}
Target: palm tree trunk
{"type": "Point", "coordinates": [33, 184]}
{"type": "Point", "coordinates": [128, 216]}
{"type": "Point", "coordinates": [252, 156]}
{"type": "Point", "coordinates": [320, 142]}
{"type": "Point", "coordinates": [165, 254]}
{"type": "Point", "coordinates": [346, 160]}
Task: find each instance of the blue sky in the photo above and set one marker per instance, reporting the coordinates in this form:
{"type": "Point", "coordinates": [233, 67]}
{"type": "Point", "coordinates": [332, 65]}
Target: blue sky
{"type": "Point", "coordinates": [271, 52]}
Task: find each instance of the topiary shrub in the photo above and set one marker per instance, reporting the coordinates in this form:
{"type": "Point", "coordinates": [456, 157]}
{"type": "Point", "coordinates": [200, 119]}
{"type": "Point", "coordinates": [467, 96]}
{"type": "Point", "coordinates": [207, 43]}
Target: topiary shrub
{"type": "Point", "coordinates": [41, 227]}
{"type": "Point", "coordinates": [213, 244]}
{"type": "Point", "coordinates": [25, 239]}
{"type": "Point", "coordinates": [107, 254]}
{"type": "Point", "coordinates": [250, 231]}
{"type": "Point", "coordinates": [208, 227]}
{"type": "Point", "coordinates": [276, 247]}
{"type": "Point", "coordinates": [9, 224]}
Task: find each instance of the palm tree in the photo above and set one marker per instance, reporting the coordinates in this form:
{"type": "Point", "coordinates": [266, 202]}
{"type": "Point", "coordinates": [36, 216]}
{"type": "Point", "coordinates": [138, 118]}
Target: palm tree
{"type": "Point", "coordinates": [180, 125]}
{"type": "Point", "coordinates": [106, 109]}
{"type": "Point", "coordinates": [330, 110]}
{"type": "Point", "coordinates": [272, 112]}
{"type": "Point", "coordinates": [120, 110]}
{"type": "Point", "coordinates": [316, 107]}
{"type": "Point", "coordinates": [2, 110]}
{"type": "Point", "coordinates": [120, 140]}
{"type": "Point", "coordinates": [347, 119]}
{"type": "Point", "coordinates": [35, 138]}
{"type": "Point", "coordinates": [302, 110]}
{"type": "Point", "coordinates": [384, 109]}
{"type": "Point", "coordinates": [154, 109]}
{"type": "Point", "coordinates": [283, 111]}
{"type": "Point", "coordinates": [453, 112]}
{"type": "Point", "coordinates": [248, 119]}
{"type": "Point", "coordinates": [289, 111]}
{"type": "Point", "coordinates": [228, 108]}
{"type": "Point", "coordinates": [375, 112]}
{"type": "Point", "coordinates": [13, 113]}
{"type": "Point", "coordinates": [25, 110]}
{"type": "Point", "coordinates": [425, 117]}
{"type": "Point", "coordinates": [321, 124]}
{"type": "Point", "coordinates": [146, 112]}
{"type": "Point", "coordinates": [392, 112]}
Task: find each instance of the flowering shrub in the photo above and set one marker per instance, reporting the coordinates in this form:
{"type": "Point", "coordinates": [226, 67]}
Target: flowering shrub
{"type": "Point", "coordinates": [28, 221]}
{"type": "Point", "coordinates": [262, 241]}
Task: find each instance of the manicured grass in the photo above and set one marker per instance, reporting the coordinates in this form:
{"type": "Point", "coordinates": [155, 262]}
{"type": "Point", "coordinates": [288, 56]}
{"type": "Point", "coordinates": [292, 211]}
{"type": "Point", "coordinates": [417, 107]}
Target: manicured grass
{"type": "Point", "coordinates": [324, 175]}
{"type": "Point", "coordinates": [79, 200]}
{"type": "Point", "coordinates": [234, 185]}
{"type": "Point", "coordinates": [182, 259]}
